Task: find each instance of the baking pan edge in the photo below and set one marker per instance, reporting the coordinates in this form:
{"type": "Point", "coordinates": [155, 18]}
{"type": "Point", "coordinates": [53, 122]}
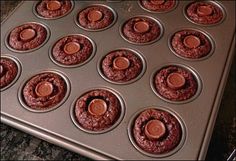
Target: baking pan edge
{"type": "Point", "coordinates": [217, 101]}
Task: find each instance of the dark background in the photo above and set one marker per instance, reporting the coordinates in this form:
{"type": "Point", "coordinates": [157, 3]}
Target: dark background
{"type": "Point", "coordinates": [17, 145]}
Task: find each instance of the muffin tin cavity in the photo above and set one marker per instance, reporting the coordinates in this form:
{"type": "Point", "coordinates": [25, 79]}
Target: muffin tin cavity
{"type": "Point", "coordinates": [191, 44]}
{"type": "Point", "coordinates": [97, 110]}
{"type": "Point", "coordinates": [27, 37]}
{"type": "Point", "coordinates": [72, 50]}
{"type": "Point", "coordinates": [176, 83]}
{"type": "Point", "coordinates": [141, 30]}
{"type": "Point", "coordinates": [205, 13]}
{"type": "Point", "coordinates": [44, 91]}
{"type": "Point", "coordinates": [156, 132]}
{"type": "Point", "coordinates": [158, 6]}
{"type": "Point", "coordinates": [122, 66]}
{"type": "Point", "coordinates": [47, 9]}
{"type": "Point", "coordinates": [10, 69]}
{"type": "Point", "coordinates": [96, 17]}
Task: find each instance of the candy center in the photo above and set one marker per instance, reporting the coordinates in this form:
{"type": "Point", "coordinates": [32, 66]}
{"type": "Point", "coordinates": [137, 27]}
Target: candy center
{"type": "Point", "coordinates": [95, 15]}
{"type": "Point", "coordinates": [121, 63]}
{"type": "Point", "coordinates": [141, 27]}
{"type": "Point", "coordinates": [97, 107]}
{"type": "Point", "coordinates": [175, 81]}
{"type": "Point", "coordinates": [53, 5]}
{"type": "Point", "coordinates": [155, 129]}
{"type": "Point", "coordinates": [157, 2]}
{"type": "Point", "coordinates": [204, 10]}
{"type": "Point", "coordinates": [192, 41]}
{"type": "Point", "coordinates": [44, 89]}
{"type": "Point", "coordinates": [72, 48]}
{"type": "Point", "coordinates": [27, 34]}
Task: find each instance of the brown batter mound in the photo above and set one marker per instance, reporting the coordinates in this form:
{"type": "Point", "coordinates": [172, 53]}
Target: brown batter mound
{"type": "Point", "coordinates": [182, 92]}
{"type": "Point", "coordinates": [71, 50]}
{"type": "Point", "coordinates": [129, 65]}
{"type": "Point", "coordinates": [22, 41]}
{"type": "Point", "coordinates": [158, 5]}
{"type": "Point", "coordinates": [146, 30]}
{"type": "Point", "coordinates": [191, 44]}
{"type": "Point", "coordinates": [105, 119]}
{"type": "Point", "coordinates": [95, 17]}
{"type": "Point", "coordinates": [8, 69]}
{"type": "Point", "coordinates": [204, 13]}
{"type": "Point", "coordinates": [58, 8]}
{"type": "Point", "coordinates": [165, 142]}
{"type": "Point", "coordinates": [45, 90]}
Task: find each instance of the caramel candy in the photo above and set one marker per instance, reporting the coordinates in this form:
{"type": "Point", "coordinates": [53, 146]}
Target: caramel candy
{"type": "Point", "coordinates": [97, 107]}
{"type": "Point", "coordinates": [95, 15]}
{"type": "Point", "coordinates": [27, 34]}
{"type": "Point", "coordinates": [141, 27]}
{"type": "Point", "coordinates": [157, 2]}
{"type": "Point", "coordinates": [53, 5]}
{"type": "Point", "coordinates": [192, 41]}
{"type": "Point", "coordinates": [204, 10]}
{"type": "Point", "coordinates": [121, 63]}
{"type": "Point", "coordinates": [175, 81]}
{"type": "Point", "coordinates": [154, 129]}
{"type": "Point", "coordinates": [71, 48]}
{"type": "Point", "coordinates": [44, 89]}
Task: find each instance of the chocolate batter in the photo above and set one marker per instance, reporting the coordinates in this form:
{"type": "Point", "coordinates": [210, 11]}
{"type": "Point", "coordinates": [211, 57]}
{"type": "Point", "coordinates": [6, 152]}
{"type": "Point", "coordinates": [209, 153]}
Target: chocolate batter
{"type": "Point", "coordinates": [191, 44]}
{"type": "Point", "coordinates": [158, 5]}
{"type": "Point", "coordinates": [95, 17]}
{"type": "Point", "coordinates": [44, 91]}
{"type": "Point", "coordinates": [156, 131]}
{"type": "Point", "coordinates": [8, 69]}
{"type": "Point", "coordinates": [121, 65]}
{"type": "Point", "coordinates": [72, 50]}
{"type": "Point", "coordinates": [97, 110]}
{"type": "Point", "coordinates": [141, 30]}
{"type": "Point", "coordinates": [175, 83]}
{"type": "Point", "coordinates": [53, 8]}
{"type": "Point", "coordinates": [204, 13]}
{"type": "Point", "coordinates": [27, 36]}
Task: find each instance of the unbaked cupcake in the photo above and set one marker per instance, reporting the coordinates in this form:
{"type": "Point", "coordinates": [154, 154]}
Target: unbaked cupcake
{"type": "Point", "coordinates": [9, 70]}
{"type": "Point", "coordinates": [141, 30]}
{"type": "Point", "coordinates": [156, 131]}
{"type": "Point", "coordinates": [204, 12]}
{"type": "Point", "coordinates": [27, 36]}
{"type": "Point", "coordinates": [121, 65]}
{"type": "Point", "coordinates": [96, 17]}
{"type": "Point", "coordinates": [97, 110]}
{"type": "Point", "coordinates": [175, 83]}
{"type": "Point", "coordinates": [44, 91]}
{"type": "Point", "coordinates": [50, 9]}
{"type": "Point", "coordinates": [158, 5]}
{"type": "Point", "coordinates": [72, 50]}
{"type": "Point", "coordinates": [191, 44]}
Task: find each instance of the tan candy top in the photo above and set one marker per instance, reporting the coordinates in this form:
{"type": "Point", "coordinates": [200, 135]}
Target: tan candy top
{"type": "Point", "coordinates": [155, 129]}
{"type": "Point", "coordinates": [97, 107]}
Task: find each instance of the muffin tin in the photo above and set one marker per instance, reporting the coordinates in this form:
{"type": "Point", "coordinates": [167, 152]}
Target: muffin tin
{"type": "Point", "coordinates": [196, 116]}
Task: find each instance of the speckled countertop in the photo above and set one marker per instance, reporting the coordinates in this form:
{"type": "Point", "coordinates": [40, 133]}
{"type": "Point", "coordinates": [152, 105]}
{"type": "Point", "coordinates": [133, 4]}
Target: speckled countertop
{"type": "Point", "coordinates": [17, 145]}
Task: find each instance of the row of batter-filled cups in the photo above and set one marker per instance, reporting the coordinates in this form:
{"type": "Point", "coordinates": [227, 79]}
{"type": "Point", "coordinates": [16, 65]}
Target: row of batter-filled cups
{"type": "Point", "coordinates": [124, 66]}
{"type": "Point", "coordinates": [190, 44]}
{"type": "Point", "coordinates": [92, 17]}
{"type": "Point", "coordinates": [187, 43]}
{"type": "Point", "coordinates": [154, 131]}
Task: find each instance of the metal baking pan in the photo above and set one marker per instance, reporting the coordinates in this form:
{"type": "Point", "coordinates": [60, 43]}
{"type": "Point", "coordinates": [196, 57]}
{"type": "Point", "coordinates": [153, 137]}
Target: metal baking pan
{"type": "Point", "coordinates": [198, 115]}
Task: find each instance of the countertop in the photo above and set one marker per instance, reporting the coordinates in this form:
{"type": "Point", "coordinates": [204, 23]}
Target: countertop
{"type": "Point", "coordinates": [17, 145]}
